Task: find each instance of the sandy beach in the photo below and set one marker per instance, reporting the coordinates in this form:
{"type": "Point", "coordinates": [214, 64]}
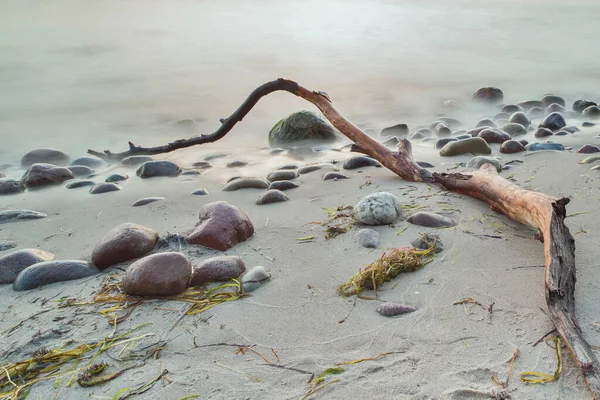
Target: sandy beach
{"type": "Point", "coordinates": [297, 320]}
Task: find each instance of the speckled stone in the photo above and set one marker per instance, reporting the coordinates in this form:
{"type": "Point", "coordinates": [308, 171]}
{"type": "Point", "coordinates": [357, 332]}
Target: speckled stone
{"type": "Point", "coordinates": [379, 208]}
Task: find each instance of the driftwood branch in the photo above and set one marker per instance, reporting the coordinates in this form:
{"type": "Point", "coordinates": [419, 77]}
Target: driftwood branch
{"type": "Point", "coordinates": [538, 210]}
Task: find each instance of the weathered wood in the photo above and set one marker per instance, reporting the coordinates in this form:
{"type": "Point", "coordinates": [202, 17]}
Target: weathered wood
{"type": "Point", "coordinates": [547, 214]}
{"type": "Point", "coordinates": [538, 210]}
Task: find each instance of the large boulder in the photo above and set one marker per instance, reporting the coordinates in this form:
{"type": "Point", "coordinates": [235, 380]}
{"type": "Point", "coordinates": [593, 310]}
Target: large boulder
{"type": "Point", "coordinates": [45, 174]}
{"type": "Point", "coordinates": [44, 155]}
{"type": "Point", "coordinates": [301, 126]}
{"type": "Point", "coordinates": [217, 269]}
{"type": "Point", "coordinates": [381, 208]}
{"type": "Point", "coordinates": [48, 272]}
{"type": "Point", "coordinates": [161, 274]}
{"type": "Point", "coordinates": [123, 243]}
{"type": "Point", "coordinates": [13, 263]}
{"type": "Point", "coordinates": [221, 226]}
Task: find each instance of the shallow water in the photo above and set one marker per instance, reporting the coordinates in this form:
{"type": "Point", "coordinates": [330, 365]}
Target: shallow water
{"type": "Point", "coordinates": [77, 74]}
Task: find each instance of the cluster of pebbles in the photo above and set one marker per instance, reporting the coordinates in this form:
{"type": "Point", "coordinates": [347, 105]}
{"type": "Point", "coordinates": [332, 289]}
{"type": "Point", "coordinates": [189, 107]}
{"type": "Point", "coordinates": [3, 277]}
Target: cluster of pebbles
{"type": "Point", "coordinates": [508, 129]}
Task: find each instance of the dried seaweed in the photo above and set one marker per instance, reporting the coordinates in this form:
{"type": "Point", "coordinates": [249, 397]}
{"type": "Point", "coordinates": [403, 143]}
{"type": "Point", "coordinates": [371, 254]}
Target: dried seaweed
{"type": "Point", "coordinates": [339, 221]}
{"type": "Point", "coordinates": [388, 266]}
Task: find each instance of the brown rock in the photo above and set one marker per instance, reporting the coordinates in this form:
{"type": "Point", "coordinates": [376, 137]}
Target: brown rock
{"type": "Point", "coordinates": [511, 146]}
{"type": "Point", "coordinates": [161, 274]}
{"type": "Point", "coordinates": [217, 269]}
{"type": "Point", "coordinates": [45, 174]}
{"type": "Point", "coordinates": [124, 242]}
{"type": "Point", "coordinates": [588, 148]}
{"type": "Point", "coordinates": [221, 226]}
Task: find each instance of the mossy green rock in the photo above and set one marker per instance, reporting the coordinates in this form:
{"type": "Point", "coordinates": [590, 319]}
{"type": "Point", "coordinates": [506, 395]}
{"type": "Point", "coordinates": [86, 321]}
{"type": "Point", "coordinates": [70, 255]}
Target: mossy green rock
{"type": "Point", "coordinates": [474, 145]}
{"type": "Point", "coordinates": [301, 126]}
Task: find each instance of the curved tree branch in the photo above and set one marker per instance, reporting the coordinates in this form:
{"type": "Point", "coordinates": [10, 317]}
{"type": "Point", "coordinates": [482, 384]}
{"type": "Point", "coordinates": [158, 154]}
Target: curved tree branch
{"type": "Point", "coordinates": [537, 210]}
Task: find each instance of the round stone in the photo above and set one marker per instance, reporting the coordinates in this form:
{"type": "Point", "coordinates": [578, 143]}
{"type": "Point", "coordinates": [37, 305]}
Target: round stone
{"type": "Point", "coordinates": [221, 226]}
{"type": "Point", "coordinates": [200, 192]}
{"type": "Point", "coordinates": [591, 112]}
{"type": "Point", "coordinates": [272, 196]}
{"type": "Point", "coordinates": [146, 200]}
{"type": "Point", "coordinates": [489, 95]}
{"type": "Point", "coordinates": [581, 105]}
{"type": "Point", "coordinates": [554, 122]}
{"type": "Point", "coordinates": [39, 175]}
{"type": "Point", "coordinates": [334, 176]}
{"type": "Point", "coordinates": [430, 220]}
{"type": "Point", "coordinates": [520, 117]}
{"type": "Point", "coordinates": [543, 132]}
{"type": "Point", "coordinates": [494, 135]}
{"type": "Point", "coordinates": [396, 130]}
{"type": "Point", "coordinates": [474, 145]}
{"type": "Point", "coordinates": [552, 99]}
{"type": "Point", "coordinates": [368, 238]}
{"type": "Point", "coordinates": [217, 269]}
{"type": "Point", "coordinates": [381, 208]}
{"type": "Point", "coordinates": [254, 278]}
{"type": "Point", "coordinates": [44, 156]}
{"type": "Point", "coordinates": [301, 126]}
{"type": "Point", "coordinates": [13, 263]}
{"type": "Point", "coordinates": [511, 146]}
{"type": "Point", "coordinates": [80, 170]}
{"type": "Point", "coordinates": [161, 274]}
{"type": "Point", "coordinates": [514, 129]}
{"type": "Point", "coordinates": [89, 161]}
{"type": "Point", "coordinates": [486, 122]}
{"type": "Point", "coordinates": [134, 161]}
{"type": "Point", "coordinates": [283, 185]}
{"type": "Point", "coordinates": [48, 272]}
{"type": "Point", "coordinates": [360, 162]}
{"type": "Point", "coordinates": [80, 184]}
{"type": "Point", "coordinates": [123, 243]}
{"type": "Point", "coordinates": [117, 178]}
{"type": "Point", "coordinates": [158, 168]}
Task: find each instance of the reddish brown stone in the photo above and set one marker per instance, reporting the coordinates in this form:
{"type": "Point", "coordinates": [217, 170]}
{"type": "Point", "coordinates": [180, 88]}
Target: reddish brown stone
{"type": "Point", "coordinates": [162, 274]}
{"type": "Point", "coordinates": [124, 242]}
{"type": "Point", "coordinates": [221, 226]}
{"type": "Point", "coordinates": [217, 269]}
{"type": "Point", "coordinates": [588, 148]}
{"type": "Point", "coordinates": [46, 174]}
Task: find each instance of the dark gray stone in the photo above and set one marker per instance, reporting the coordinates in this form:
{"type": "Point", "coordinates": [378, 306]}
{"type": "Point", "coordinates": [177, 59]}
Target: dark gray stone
{"type": "Point", "coordinates": [44, 156]}
{"type": "Point", "coordinates": [48, 272]}
{"type": "Point", "coordinates": [282, 175]}
{"type": "Point", "coordinates": [368, 238]}
{"type": "Point", "coordinates": [289, 166]}
{"type": "Point", "coordinates": [392, 142]}
{"type": "Point", "coordinates": [536, 112]}
{"type": "Point", "coordinates": [588, 148]}
{"type": "Point", "coordinates": [283, 185]}
{"type": "Point", "coordinates": [13, 263]}
{"type": "Point", "coordinates": [514, 129]}
{"type": "Point", "coordinates": [486, 122]}
{"type": "Point", "coordinates": [393, 309]}
{"type": "Point", "coordinates": [360, 162]}
{"type": "Point", "coordinates": [543, 132]}
{"type": "Point", "coordinates": [190, 172]}
{"type": "Point", "coordinates": [200, 192]}
{"type": "Point", "coordinates": [334, 176]}
{"type": "Point", "coordinates": [272, 196]}
{"type": "Point", "coordinates": [581, 105]}
{"type": "Point", "coordinates": [591, 112]}
{"type": "Point", "coordinates": [89, 161]}
{"type": "Point", "coordinates": [146, 200]}
{"type": "Point", "coordinates": [237, 164]}
{"type": "Point", "coordinates": [105, 188]}
{"type": "Point", "coordinates": [202, 165]}
{"type": "Point", "coordinates": [80, 170]}
{"type": "Point", "coordinates": [246, 183]}
{"type": "Point", "coordinates": [588, 124]}
{"type": "Point", "coordinates": [489, 95]}
{"type": "Point", "coordinates": [396, 130]}
{"type": "Point", "coordinates": [80, 184]}
{"type": "Point", "coordinates": [442, 130]}
{"type": "Point", "coordinates": [520, 117]}
{"type": "Point", "coordinates": [430, 220]}
{"type": "Point", "coordinates": [151, 169]}
{"type": "Point", "coordinates": [316, 167]}
{"type": "Point", "coordinates": [554, 107]}
{"type": "Point", "coordinates": [552, 99]}
{"type": "Point", "coordinates": [117, 178]}
{"type": "Point", "coordinates": [511, 108]}
{"type": "Point", "coordinates": [10, 186]}
{"type": "Point", "coordinates": [19, 215]}
{"type": "Point", "coordinates": [493, 135]}
{"type": "Point", "coordinates": [425, 241]}
{"type": "Point", "coordinates": [554, 122]}
{"type": "Point", "coordinates": [214, 156]}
